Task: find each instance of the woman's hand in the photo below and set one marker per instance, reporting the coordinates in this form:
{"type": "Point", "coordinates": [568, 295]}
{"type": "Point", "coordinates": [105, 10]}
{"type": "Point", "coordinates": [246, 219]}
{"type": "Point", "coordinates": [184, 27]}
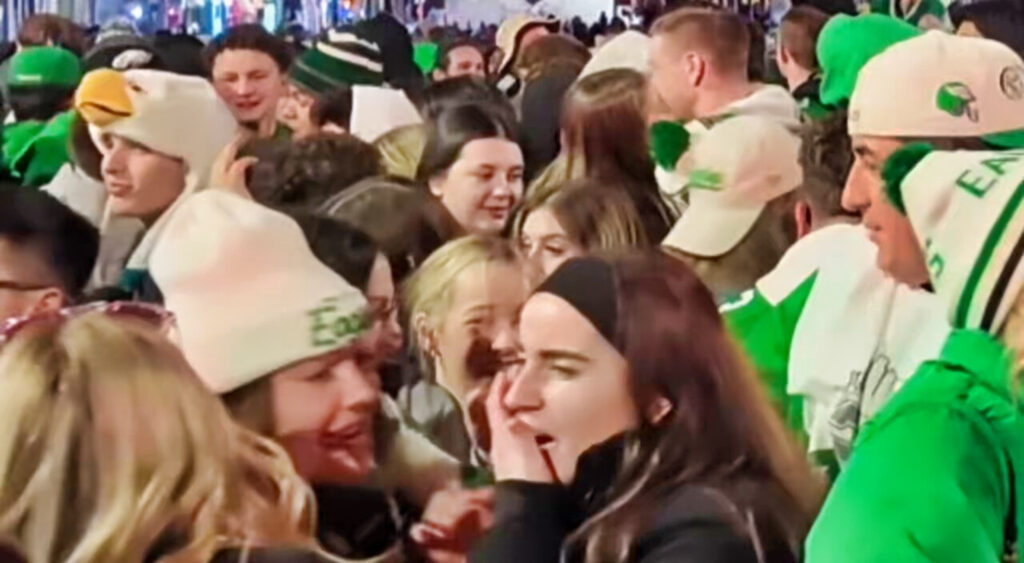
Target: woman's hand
{"type": "Point", "coordinates": [453, 520]}
{"type": "Point", "coordinates": [514, 450]}
{"type": "Point", "coordinates": [228, 172]}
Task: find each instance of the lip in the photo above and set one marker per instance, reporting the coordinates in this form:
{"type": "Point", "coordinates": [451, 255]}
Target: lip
{"type": "Point", "coordinates": [118, 189]}
{"type": "Point", "coordinates": [497, 212]}
{"type": "Point", "coordinates": [247, 105]}
{"type": "Point", "coordinates": [353, 434]}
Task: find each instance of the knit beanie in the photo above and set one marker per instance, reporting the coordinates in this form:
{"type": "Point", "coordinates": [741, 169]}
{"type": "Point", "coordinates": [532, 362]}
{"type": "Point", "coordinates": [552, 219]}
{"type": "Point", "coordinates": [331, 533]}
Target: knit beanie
{"type": "Point", "coordinates": [120, 46]}
{"type": "Point", "coordinates": [45, 66]}
{"type": "Point", "coordinates": [343, 59]}
{"type": "Point", "coordinates": [942, 85]}
{"type": "Point", "coordinates": [248, 294]}
{"type": "Point", "coordinates": [179, 116]}
{"type": "Point", "coordinates": [965, 207]}
{"type": "Point", "coordinates": [847, 43]}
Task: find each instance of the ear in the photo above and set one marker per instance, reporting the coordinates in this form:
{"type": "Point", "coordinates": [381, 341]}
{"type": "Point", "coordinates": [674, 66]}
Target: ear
{"type": "Point", "coordinates": [436, 185]}
{"type": "Point", "coordinates": [782, 55]}
{"type": "Point", "coordinates": [804, 219]}
{"type": "Point", "coordinates": [438, 75]}
{"type": "Point", "coordinates": [695, 68]}
{"type": "Point", "coordinates": [52, 299]}
{"type": "Point", "coordinates": [426, 336]}
{"type": "Point", "coordinates": [657, 410]}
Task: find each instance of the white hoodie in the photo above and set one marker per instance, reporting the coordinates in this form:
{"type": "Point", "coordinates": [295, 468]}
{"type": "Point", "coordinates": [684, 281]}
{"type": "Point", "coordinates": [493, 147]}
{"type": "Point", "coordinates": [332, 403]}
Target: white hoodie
{"type": "Point", "coordinates": [773, 102]}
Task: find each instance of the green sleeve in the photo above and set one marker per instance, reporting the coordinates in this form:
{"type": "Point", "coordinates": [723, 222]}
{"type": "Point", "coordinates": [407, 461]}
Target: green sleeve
{"type": "Point", "coordinates": [765, 333]}
{"type": "Point", "coordinates": [925, 487]}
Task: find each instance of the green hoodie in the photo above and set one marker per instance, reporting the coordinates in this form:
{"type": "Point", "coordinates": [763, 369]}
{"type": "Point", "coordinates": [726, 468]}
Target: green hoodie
{"type": "Point", "coordinates": [34, 151]}
{"type": "Point", "coordinates": [934, 474]}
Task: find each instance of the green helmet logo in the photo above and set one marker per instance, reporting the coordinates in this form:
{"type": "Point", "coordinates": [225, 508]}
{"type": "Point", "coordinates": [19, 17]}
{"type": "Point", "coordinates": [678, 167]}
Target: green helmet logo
{"type": "Point", "coordinates": [956, 99]}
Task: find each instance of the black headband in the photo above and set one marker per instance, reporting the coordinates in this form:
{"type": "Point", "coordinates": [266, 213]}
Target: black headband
{"type": "Point", "coordinates": [588, 284]}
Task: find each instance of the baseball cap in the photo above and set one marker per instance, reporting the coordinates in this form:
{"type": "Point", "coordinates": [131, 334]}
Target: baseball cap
{"type": "Point", "coordinates": [739, 166]}
{"type": "Point", "coordinates": [512, 29]}
{"type": "Point", "coordinates": [45, 66]}
{"type": "Point", "coordinates": [942, 86]}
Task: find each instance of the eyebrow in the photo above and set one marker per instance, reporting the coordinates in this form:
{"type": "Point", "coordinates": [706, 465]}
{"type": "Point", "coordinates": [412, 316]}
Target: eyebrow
{"type": "Point", "coordinates": [482, 308]}
{"type": "Point", "coordinates": [555, 355]}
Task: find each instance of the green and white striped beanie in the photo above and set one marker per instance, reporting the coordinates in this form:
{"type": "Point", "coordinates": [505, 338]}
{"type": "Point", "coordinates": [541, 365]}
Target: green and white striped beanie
{"type": "Point", "coordinates": [966, 209]}
{"type": "Point", "coordinates": [341, 59]}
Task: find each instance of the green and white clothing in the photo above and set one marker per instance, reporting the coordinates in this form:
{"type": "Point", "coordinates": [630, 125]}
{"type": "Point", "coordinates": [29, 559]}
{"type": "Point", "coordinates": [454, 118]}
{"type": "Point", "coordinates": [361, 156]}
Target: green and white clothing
{"type": "Point", "coordinates": [832, 336]}
{"type": "Point", "coordinates": [771, 101]}
{"type": "Point", "coordinates": [936, 475]}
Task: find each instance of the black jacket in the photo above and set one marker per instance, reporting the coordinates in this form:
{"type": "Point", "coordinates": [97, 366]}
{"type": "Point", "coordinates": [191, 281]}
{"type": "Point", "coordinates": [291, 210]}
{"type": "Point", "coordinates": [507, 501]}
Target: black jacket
{"type": "Point", "coordinates": [694, 524]}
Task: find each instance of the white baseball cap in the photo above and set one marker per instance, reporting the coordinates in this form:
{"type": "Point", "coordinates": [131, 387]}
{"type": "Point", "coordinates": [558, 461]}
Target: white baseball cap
{"type": "Point", "coordinates": [739, 166]}
{"type": "Point", "coordinates": [942, 85]}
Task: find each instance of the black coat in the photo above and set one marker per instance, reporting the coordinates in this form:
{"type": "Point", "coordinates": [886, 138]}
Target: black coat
{"type": "Point", "coordinates": [694, 524]}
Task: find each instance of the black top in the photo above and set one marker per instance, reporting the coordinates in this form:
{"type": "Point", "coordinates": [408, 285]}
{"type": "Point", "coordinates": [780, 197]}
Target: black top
{"type": "Point", "coordinates": [694, 523]}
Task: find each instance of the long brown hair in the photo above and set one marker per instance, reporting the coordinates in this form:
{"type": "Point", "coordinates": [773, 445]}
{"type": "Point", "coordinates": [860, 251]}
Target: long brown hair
{"type": "Point", "coordinates": [721, 432]}
{"type": "Point", "coordinates": [605, 128]}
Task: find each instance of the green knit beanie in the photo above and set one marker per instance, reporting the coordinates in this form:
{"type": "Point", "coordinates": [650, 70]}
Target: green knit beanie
{"type": "Point", "coordinates": [342, 60]}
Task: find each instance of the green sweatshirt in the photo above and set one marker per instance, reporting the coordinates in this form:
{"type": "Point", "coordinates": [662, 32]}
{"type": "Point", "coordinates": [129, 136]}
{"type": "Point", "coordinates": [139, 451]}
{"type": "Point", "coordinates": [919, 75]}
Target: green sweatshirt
{"type": "Point", "coordinates": [934, 8]}
{"type": "Point", "coordinates": [933, 475]}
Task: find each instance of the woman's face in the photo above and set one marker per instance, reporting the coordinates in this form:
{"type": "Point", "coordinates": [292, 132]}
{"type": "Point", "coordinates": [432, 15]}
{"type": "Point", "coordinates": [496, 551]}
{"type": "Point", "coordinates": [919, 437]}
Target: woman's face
{"type": "Point", "coordinates": [380, 292]}
{"type": "Point", "coordinates": [324, 409]}
{"type": "Point", "coordinates": [294, 111]}
{"type": "Point", "coordinates": [569, 373]}
{"type": "Point", "coordinates": [545, 242]}
{"type": "Point", "coordinates": [483, 185]}
{"type": "Point", "coordinates": [140, 182]}
{"type": "Point", "coordinates": [485, 302]}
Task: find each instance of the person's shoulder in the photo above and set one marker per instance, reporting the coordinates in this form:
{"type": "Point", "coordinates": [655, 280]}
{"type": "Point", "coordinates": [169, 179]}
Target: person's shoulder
{"type": "Point", "coordinates": [702, 523]}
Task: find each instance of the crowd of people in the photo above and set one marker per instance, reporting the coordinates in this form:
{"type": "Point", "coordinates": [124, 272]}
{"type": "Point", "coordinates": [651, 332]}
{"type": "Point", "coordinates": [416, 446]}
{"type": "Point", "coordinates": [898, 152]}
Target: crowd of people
{"type": "Point", "coordinates": [694, 291]}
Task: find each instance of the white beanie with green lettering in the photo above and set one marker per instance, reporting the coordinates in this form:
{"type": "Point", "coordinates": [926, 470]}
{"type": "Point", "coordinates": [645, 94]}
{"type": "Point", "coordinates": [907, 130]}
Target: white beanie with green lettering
{"type": "Point", "coordinates": [248, 295]}
{"type": "Point", "coordinates": [966, 209]}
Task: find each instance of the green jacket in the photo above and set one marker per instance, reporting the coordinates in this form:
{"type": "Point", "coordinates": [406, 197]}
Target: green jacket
{"type": "Point", "coordinates": [34, 151]}
{"type": "Point", "coordinates": [935, 474]}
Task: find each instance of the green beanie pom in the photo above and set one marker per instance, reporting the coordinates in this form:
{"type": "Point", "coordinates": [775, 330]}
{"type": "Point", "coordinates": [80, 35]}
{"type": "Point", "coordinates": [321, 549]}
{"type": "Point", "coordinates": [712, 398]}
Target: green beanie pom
{"type": "Point", "coordinates": [896, 168]}
{"type": "Point", "coordinates": [669, 140]}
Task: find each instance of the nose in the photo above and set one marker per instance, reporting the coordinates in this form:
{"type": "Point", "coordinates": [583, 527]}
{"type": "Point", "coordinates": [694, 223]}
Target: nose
{"type": "Point", "coordinates": [113, 161]}
{"type": "Point", "coordinates": [855, 197]}
{"type": "Point", "coordinates": [356, 388]}
{"type": "Point", "coordinates": [243, 86]}
{"type": "Point", "coordinates": [505, 339]}
{"type": "Point", "coordinates": [524, 394]}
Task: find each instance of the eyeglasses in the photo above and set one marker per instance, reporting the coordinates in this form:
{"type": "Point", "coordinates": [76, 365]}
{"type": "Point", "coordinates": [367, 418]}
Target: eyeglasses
{"type": "Point", "coordinates": [155, 316]}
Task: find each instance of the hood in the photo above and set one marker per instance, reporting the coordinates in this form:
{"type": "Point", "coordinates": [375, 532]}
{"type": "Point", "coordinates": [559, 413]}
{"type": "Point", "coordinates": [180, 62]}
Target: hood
{"type": "Point", "coordinates": [771, 101]}
{"type": "Point", "coordinates": [179, 116]}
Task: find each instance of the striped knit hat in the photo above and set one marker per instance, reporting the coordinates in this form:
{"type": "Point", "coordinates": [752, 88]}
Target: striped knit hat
{"type": "Point", "coordinates": [966, 209]}
{"type": "Point", "coordinates": [342, 59]}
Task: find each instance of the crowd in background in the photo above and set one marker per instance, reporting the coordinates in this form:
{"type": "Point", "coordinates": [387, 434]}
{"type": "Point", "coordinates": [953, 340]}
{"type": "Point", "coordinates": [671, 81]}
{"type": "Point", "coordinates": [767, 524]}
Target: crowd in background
{"type": "Point", "coordinates": [719, 285]}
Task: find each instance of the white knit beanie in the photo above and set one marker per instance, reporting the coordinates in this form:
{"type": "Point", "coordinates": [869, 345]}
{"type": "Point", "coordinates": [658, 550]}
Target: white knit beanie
{"type": "Point", "coordinates": [248, 294]}
{"type": "Point", "coordinates": [965, 207]}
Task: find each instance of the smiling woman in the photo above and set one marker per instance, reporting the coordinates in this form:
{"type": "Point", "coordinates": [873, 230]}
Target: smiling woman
{"type": "Point", "coordinates": [473, 164]}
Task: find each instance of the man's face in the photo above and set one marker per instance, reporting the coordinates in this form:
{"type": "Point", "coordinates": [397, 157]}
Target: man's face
{"type": "Point", "coordinates": [250, 82]}
{"type": "Point", "coordinates": [899, 252]}
{"type": "Point", "coordinates": [670, 82]}
{"type": "Point", "coordinates": [465, 61]}
{"type": "Point", "coordinates": [25, 286]}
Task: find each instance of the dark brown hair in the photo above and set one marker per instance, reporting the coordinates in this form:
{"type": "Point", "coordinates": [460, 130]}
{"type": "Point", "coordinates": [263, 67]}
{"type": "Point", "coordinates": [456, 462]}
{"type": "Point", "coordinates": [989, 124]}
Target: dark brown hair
{"type": "Point", "coordinates": [799, 32]}
{"type": "Point", "coordinates": [307, 173]}
{"type": "Point", "coordinates": [48, 29]}
{"type": "Point", "coordinates": [551, 51]}
{"type": "Point", "coordinates": [721, 432]}
{"type": "Point", "coordinates": [826, 157]}
{"type": "Point", "coordinates": [604, 125]}
{"type": "Point", "coordinates": [249, 37]}
{"type": "Point", "coordinates": [722, 37]}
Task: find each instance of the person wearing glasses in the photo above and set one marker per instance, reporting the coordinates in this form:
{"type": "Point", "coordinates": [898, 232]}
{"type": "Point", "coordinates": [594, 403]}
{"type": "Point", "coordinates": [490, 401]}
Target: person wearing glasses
{"type": "Point", "coordinates": [47, 253]}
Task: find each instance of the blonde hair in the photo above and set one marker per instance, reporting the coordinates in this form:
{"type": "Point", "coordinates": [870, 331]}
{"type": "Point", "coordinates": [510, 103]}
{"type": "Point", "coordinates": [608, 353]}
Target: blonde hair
{"type": "Point", "coordinates": [754, 257]}
{"type": "Point", "coordinates": [428, 293]}
{"type": "Point", "coordinates": [113, 448]}
{"type": "Point", "coordinates": [597, 218]}
{"type": "Point", "coordinates": [401, 149]}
